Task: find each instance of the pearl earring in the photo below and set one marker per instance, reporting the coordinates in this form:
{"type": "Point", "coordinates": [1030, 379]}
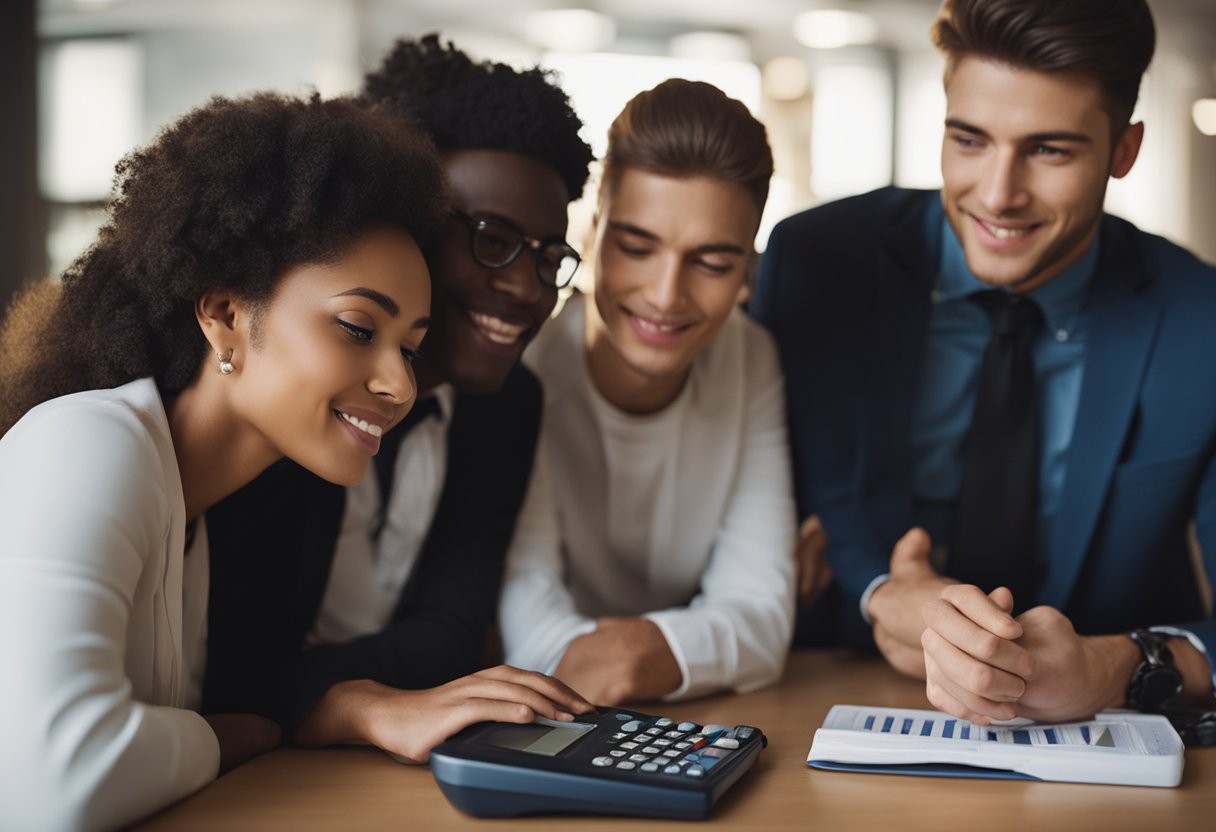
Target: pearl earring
{"type": "Point", "coordinates": [225, 362]}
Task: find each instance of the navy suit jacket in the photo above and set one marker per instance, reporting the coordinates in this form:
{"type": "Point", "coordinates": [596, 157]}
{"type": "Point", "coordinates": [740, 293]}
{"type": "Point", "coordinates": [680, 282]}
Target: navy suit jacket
{"type": "Point", "coordinates": [845, 289]}
{"type": "Point", "coordinates": [272, 545]}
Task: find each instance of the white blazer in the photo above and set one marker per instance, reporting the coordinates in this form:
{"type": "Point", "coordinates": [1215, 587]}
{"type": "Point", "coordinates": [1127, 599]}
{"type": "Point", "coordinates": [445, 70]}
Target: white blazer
{"type": "Point", "coordinates": [92, 528]}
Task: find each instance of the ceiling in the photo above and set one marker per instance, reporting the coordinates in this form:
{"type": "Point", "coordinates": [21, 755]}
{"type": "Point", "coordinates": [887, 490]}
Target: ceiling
{"type": "Point", "coordinates": [764, 24]}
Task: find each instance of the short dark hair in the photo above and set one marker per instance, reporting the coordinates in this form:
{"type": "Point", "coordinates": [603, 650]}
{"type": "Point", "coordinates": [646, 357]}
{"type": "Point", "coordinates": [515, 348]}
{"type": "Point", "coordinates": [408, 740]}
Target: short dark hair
{"type": "Point", "coordinates": [690, 128]}
{"type": "Point", "coordinates": [228, 198]}
{"type": "Point", "coordinates": [1110, 41]}
{"type": "Point", "coordinates": [466, 104]}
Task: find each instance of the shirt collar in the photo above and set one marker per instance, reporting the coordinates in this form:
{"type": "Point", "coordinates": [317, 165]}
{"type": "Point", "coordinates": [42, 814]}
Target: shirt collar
{"type": "Point", "coordinates": [444, 395]}
{"type": "Point", "coordinates": [1060, 299]}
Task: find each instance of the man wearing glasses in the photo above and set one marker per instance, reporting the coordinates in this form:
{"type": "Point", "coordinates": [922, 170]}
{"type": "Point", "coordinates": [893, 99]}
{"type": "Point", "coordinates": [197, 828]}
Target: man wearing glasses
{"type": "Point", "coordinates": [391, 586]}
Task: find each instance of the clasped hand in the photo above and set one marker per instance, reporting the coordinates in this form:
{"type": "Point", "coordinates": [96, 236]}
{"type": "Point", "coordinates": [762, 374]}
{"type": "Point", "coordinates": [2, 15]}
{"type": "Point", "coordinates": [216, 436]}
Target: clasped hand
{"type": "Point", "coordinates": [983, 664]}
{"type": "Point", "coordinates": [979, 662]}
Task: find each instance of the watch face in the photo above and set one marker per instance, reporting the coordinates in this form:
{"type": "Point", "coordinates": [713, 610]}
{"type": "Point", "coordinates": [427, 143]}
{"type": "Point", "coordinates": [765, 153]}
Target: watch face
{"type": "Point", "coordinates": [1157, 679]}
{"type": "Point", "coordinates": [1158, 685]}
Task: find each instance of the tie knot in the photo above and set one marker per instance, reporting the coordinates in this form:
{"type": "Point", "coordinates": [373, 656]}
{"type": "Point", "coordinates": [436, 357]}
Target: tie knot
{"type": "Point", "coordinates": [1010, 314]}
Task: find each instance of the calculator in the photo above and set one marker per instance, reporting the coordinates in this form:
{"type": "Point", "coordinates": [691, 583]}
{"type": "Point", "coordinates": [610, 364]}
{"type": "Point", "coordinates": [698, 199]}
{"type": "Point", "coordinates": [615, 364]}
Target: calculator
{"type": "Point", "coordinates": [612, 762]}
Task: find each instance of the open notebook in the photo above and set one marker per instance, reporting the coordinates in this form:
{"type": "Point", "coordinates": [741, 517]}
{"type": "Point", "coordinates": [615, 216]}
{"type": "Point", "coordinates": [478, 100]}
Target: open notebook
{"type": "Point", "coordinates": [1116, 747]}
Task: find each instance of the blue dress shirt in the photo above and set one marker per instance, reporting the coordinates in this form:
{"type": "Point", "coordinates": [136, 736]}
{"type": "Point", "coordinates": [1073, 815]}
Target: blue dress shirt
{"type": "Point", "coordinates": [958, 333]}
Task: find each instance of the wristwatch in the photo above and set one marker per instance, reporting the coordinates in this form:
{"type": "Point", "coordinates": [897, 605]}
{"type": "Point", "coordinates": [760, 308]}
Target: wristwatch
{"type": "Point", "coordinates": [1156, 679]}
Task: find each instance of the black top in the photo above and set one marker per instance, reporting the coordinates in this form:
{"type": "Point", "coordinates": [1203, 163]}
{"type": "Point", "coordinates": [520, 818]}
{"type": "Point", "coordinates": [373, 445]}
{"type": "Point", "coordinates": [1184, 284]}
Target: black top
{"type": "Point", "coordinates": [272, 544]}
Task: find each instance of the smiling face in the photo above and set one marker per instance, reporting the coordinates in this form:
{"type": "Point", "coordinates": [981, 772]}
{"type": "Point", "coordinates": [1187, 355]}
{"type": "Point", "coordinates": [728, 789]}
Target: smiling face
{"type": "Point", "coordinates": [671, 256]}
{"type": "Point", "coordinates": [1025, 163]}
{"type": "Point", "coordinates": [483, 316]}
{"type": "Point", "coordinates": [324, 368]}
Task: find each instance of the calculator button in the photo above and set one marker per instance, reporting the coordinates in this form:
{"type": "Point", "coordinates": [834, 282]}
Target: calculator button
{"type": "Point", "coordinates": [683, 745]}
{"type": "Point", "coordinates": [619, 736]}
{"type": "Point", "coordinates": [624, 717]}
{"type": "Point", "coordinates": [650, 767]}
{"type": "Point", "coordinates": [643, 738]}
{"type": "Point", "coordinates": [675, 735]}
{"type": "Point", "coordinates": [616, 752]}
{"type": "Point", "coordinates": [663, 722]}
{"type": "Point", "coordinates": [713, 729]}
{"type": "Point", "coordinates": [602, 761]}
{"type": "Point", "coordinates": [651, 749]}
{"type": "Point", "coordinates": [694, 771]}
{"type": "Point", "coordinates": [687, 726]}
{"type": "Point", "coordinates": [671, 752]}
{"type": "Point", "coordinates": [726, 742]}
{"type": "Point", "coordinates": [672, 769]}
{"type": "Point", "coordinates": [654, 731]}
{"type": "Point", "coordinates": [625, 765]}
{"type": "Point", "coordinates": [700, 742]}
{"type": "Point", "coordinates": [631, 726]}
{"type": "Point", "coordinates": [744, 732]}
{"type": "Point", "coordinates": [639, 758]}
{"type": "Point", "coordinates": [662, 743]}
{"type": "Point", "coordinates": [629, 746]}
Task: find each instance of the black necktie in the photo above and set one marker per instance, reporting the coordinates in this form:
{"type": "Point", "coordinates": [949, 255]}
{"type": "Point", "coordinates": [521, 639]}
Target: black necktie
{"type": "Point", "coordinates": [994, 526]}
{"type": "Point", "coordinates": [385, 459]}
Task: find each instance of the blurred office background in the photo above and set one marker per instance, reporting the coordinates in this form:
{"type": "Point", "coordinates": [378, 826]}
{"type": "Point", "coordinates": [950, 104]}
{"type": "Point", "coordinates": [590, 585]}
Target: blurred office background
{"type": "Point", "coordinates": [850, 90]}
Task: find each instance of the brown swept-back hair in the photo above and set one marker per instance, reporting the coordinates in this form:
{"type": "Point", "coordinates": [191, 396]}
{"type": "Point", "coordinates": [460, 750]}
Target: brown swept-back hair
{"type": "Point", "coordinates": [689, 128]}
{"type": "Point", "coordinates": [1110, 41]}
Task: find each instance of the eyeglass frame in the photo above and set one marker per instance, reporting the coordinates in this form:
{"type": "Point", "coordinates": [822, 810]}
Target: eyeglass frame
{"type": "Point", "coordinates": [476, 225]}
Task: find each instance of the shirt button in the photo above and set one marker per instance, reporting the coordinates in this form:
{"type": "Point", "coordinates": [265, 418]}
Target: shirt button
{"type": "Point", "coordinates": [1061, 335]}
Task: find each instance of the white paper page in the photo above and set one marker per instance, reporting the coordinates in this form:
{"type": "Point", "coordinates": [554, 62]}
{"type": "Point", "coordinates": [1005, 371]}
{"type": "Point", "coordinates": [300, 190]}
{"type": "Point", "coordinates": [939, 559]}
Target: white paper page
{"type": "Point", "coordinates": [934, 725]}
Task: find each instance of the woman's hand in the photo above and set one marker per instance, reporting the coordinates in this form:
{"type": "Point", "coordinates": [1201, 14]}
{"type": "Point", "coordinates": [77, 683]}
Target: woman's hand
{"type": "Point", "coordinates": [409, 723]}
{"type": "Point", "coordinates": [242, 737]}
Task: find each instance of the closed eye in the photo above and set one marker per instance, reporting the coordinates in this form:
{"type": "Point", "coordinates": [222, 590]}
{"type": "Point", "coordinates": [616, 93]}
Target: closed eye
{"type": "Point", "coordinates": [715, 268]}
{"type": "Point", "coordinates": [965, 141]}
{"type": "Point", "coordinates": [632, 250]}
{"type": "Point", "coordinates": [357, 332]}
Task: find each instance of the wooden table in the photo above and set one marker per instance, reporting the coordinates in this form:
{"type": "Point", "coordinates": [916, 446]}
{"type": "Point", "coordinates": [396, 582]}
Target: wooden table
{"type": "Point", "coordinates": [296, 790]}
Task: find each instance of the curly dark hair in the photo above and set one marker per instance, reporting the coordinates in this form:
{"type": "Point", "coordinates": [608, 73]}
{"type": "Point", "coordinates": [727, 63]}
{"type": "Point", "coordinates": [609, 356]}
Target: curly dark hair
{"type": "Point", "coordinates": [228, 198]}
{"type": "Point", "coordinates": [481, 105]}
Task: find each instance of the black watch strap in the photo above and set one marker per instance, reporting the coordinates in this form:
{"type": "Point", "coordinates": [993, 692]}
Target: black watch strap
{"type": "Point", "coordinates": [1156, 679]}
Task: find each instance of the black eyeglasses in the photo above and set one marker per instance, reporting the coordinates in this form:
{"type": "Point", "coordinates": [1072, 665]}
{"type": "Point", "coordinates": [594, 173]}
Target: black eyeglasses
{"type": "Point", "coordinates": [497, 244]}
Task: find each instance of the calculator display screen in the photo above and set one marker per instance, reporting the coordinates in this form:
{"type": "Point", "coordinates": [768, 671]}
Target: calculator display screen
{"type": "Point", "coordinates": [545, 738]}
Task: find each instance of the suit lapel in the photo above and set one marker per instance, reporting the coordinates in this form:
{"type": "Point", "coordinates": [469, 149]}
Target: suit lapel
{"type": "Point", "coordinates": [907, 267]}
{"type": "Point", "coordinates": [899, 315]}
{"type": "Point", "coordinates": [1122, 324]}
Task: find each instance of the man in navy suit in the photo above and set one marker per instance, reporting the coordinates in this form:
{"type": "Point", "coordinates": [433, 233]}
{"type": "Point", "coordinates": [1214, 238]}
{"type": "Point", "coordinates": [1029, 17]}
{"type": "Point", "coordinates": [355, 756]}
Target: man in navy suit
{"type": "Point", "coordinates": [877, 303]}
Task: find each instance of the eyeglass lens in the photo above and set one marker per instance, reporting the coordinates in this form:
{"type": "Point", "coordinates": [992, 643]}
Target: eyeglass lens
{"type": "Point", "coordinates": [496, 245]}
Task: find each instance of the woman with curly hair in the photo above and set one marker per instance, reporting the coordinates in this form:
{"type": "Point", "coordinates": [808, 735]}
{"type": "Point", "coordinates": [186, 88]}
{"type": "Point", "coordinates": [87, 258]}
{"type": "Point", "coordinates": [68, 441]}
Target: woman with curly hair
{"type": "Point", "coordinates": [258, 292]}
{"type": "Point", "coordinates": [393, 589]}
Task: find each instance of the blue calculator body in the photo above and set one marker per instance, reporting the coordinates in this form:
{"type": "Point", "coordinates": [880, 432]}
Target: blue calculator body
{"type": "Point", "coordinates": [613, 762]}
